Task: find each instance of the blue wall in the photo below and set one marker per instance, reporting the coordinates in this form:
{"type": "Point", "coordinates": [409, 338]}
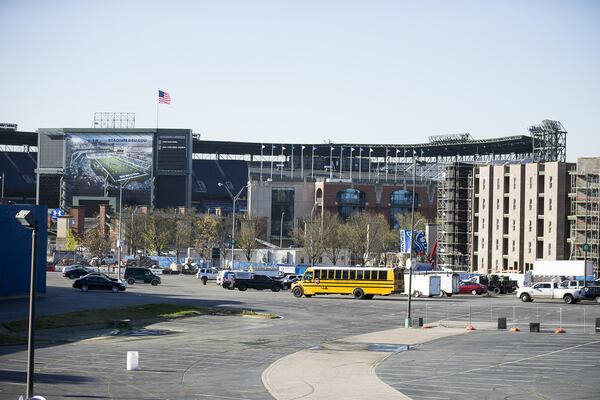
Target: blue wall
{"type": "Point", "coordinates": [15, 251]}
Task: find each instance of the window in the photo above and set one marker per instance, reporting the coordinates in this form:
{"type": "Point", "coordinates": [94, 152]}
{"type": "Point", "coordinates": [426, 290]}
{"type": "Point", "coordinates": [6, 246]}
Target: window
{"type": "Point", "coordinates": [497, 224]}
{"type": "Point", "coordinates": [550, 204]}
{"type": "Point", "coordinates": [529, 248]}
{"type": "Point", "coordinates": [549, 226]}
{"type": "Point", "coordinates": [514, 225]}
{"type": "Point", "coordinates": [550, 183]}
{"type": "Point", "coordinates": [350, 201]}
{"type": "Point", "coordinates": [483, 183]}
{"type": "Point", "coordinates": [352, 274]}
{"type": "Point", "coordinates": [338, 274]}
{"type": "Point", "coordinates": [530, 182]}
{"type": "Point", "coordinates": [497, 244]}
{"type": "Point", "coordinates": [366, 275]}
{"type": "Point", "coordinates": [359, 274]}
{"type": "Point", "coordinates": [514, 204]}
{"type": "Point", "coordinates": [483, 204]}
{"type": "Point", "coordinates": [549, 249]}
{"type": "Point", "coordinates": [529, 225]}
{"type": "Point", "coordinates": [330, 274]}
{"type": "Point", "coordinates": [482, 223]}
{"type": "Point", "coordinates": [514, 183]}
{"type": "Point", "coordinates": [498, 183]}
{"type": "Point", "coordinates": [497, 204]}
{"type": "Point", "coordinates": [382, 275]}
{"type": "Point", "coordinates": [513, 246]}
{"type": "Point", "coordinates": [482, 243]}
{"type": "Point", "coordinates": [345, 274]}
{"type": "Point", "coordinates": [530, 204]}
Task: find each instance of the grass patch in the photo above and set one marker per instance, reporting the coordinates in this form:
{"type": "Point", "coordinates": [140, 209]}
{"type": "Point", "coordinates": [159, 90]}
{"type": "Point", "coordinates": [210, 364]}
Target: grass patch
{"type": "Point", "coordinates": [11, 339]}
{"type": "Point", "coordinates": [133, 313]}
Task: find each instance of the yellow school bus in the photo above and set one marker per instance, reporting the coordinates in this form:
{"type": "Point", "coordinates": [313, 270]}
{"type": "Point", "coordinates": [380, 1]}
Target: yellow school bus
{"type": "Point", "coordinates": [360, 282]}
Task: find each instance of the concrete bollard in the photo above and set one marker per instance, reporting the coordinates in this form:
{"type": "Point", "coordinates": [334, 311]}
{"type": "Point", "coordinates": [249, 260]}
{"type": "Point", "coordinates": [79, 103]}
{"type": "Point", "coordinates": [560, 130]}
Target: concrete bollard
{"type": "Point", "coordinates": [502, 323]}
{"type": "Point", "coordinates": [133, 359]}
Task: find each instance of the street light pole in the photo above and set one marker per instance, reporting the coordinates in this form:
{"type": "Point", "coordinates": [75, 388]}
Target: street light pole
{"type": "Point", "coordinates": [131, 232]}
{"type": "Point", "coordinates": [408, 320]}
{"type": "Point", "coordinates": [120, 224]}
{"type": "Point", "coordinates": [281, 231]}
{"type": "Point", "coordinates": [233, 199]}
{"type": "Point", "coordinates": [2, 185]}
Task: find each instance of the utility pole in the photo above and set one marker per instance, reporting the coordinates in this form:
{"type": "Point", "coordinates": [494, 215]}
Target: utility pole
{"type": "Point", "coordinates": [408, 320]}
{"type": "Point", "coordinates": [234, 198]}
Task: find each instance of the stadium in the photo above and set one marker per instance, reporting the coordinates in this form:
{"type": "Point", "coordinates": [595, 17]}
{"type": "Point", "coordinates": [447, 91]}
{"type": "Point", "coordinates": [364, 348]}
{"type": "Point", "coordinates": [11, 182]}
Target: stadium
{"type": "Point", "coordinates": [162, 168]}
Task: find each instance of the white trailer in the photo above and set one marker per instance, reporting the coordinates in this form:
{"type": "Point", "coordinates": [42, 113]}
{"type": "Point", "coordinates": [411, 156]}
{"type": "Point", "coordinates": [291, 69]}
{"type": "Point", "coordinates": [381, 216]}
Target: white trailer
{"type": "Point", "coordinates": [427, 285]}
{"type": "Point", "coordinates": [567, 268]}
{"type": "Point", "coordinates": [450, 283]}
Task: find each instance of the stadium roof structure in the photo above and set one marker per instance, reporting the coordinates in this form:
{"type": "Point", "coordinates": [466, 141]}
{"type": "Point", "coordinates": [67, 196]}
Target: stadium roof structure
{"type": "Point", "coordinates": [507, 148]}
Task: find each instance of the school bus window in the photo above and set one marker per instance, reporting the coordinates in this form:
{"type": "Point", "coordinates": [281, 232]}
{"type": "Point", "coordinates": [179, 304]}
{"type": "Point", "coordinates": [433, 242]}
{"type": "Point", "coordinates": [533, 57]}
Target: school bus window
{"type": "Point", "coordinates": [382, 275]}
{"type": "Point", "coordinates": [308, 277]}
{"type": "Point", "coordinates": [330, 274]}
{"type": "Point", "coordinates": [338, 274]}
{"type": "Point", "coordinates": [345, 274]}
{"type": "Point", "coordinates": [352, 274]}
{"type": "Point", "coordinates": [359, 274]}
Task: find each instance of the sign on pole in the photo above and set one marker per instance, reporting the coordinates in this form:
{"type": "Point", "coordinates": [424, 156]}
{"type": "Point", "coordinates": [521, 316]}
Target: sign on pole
{"type": "Point", "coordinates": [406, 241]}
{"type": "Point", "coordinates": [55, 213]}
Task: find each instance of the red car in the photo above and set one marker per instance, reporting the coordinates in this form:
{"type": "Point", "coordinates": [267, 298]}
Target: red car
{"type": "Point", "coordinates": [472, 287]}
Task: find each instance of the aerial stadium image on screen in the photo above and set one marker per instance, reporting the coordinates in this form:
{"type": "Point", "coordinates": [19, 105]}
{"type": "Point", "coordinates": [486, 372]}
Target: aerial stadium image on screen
{"type": "Point", "coordinates": [97, 163]}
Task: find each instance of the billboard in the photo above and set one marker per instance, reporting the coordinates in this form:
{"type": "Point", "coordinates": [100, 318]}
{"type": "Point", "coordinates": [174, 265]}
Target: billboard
{"type": "Point", "coordinates": [97, 164]}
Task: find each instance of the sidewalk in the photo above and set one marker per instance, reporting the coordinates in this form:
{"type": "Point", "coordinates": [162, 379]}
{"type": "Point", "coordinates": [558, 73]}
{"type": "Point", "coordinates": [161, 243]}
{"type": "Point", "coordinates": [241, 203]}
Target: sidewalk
{"type": "Point", "coordinates": [344, 369]}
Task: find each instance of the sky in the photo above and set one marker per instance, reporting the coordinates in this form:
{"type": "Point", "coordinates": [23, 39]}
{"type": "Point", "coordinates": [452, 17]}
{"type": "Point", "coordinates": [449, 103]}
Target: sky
{"type": "Point", "coordinates": [307, 71]}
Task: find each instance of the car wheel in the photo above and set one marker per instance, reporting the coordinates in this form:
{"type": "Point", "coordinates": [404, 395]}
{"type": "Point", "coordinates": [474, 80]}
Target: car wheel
{"type": "Point", "coordinates": [358, 293]}
{"type": "Point", "coordinates": [71, 276]}
{"type": "Point", "coordinates": [443, 294]}
{"type": "Point", "coordinates": [449, 294]}
{"type": "Point", "coordinates": [242, 287]}
{"type": "Point", "coordinates": [416, 293]}
{"type": "Point", "coordinates": [525, 298]}
{"type": "Point", "coordinates": [131, 281]}
{"type": "Point", "coordinates": [275, 288]}
{"type": "Point", "coordinates": [569, 299]}
{"type": "Point", "coordinates": [84, 288]}
{"type": "Point", "coordinates": [474, 291]}
{"type": "Point", "coordinates": [115, 289]}
{"type": "Point", "coordinates": [297, 292]}
{"type": "Point", "coordinates": [497, 290]}
{"type": "Point", "coordinates": [154, 282]}
{"type": "Point", "coordinates": [204, 280]}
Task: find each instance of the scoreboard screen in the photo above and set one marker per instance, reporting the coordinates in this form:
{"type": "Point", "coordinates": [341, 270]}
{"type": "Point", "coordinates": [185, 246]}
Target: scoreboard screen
{"type": "Point", "coordinates": [172, 154]}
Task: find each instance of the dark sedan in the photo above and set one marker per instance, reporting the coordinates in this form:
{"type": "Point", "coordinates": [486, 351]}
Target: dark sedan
{"type": "Point", "coordinates": [77, 272]}
{"type": "Point", "coordinates": [98, 282]}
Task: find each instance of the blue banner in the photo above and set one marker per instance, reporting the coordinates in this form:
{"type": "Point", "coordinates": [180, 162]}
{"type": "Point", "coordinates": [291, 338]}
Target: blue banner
{"type": "Point", "coordinates": [406, 242]}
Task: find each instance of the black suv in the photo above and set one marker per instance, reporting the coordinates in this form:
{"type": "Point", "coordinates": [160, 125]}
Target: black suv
{"type": "Point", "coordinates": [140, 275]}
{"type": "Point", "coordinates": [258, 282]}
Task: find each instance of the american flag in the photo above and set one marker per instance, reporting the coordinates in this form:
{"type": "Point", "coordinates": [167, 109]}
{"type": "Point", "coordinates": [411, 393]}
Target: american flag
{"type": "Point", "coordinates": [164, 97]}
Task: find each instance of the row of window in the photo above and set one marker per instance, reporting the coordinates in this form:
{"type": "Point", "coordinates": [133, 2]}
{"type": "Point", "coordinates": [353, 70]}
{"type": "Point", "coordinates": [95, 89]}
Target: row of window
{"type": "Point", "coordinates": [515, 183]}
{"type": "Point", "coordinates": [351, 274]}
{"type": "Point", "coordinates": [515, 204]}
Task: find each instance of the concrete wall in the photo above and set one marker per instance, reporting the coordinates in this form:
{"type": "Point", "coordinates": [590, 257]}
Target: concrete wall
{"type": "Point", "coordinates": [15, 251]}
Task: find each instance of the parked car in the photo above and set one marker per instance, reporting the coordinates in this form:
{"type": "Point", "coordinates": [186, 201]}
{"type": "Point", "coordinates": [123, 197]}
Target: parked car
{"type": "Point", "coordinates": [141, 261]}
{"type": "Point", "coordinates": [225, 277]}
{"type": "Point", "coordinates": [549, 290]}
{"type": "Point", "coordinates": [98, 282]}
{"type": "Point", "coordinates": [207, 274]}
{"type": "Point", "coordinates": [77, 272]}
{"type": "Point", "coordinates": [472, 287]}
{"type": "Point", "coordinates": [141, 275]}
{"type": "Point", "coordinates": [288, 280]}
{"type": "Point", "coordinates": [258, 282]}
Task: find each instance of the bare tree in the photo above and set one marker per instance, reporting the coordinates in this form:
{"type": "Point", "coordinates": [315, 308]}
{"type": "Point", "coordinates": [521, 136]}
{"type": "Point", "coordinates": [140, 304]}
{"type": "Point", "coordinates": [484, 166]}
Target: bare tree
{"type": "Point", "coordinates": [252, 228]}
{"type": "Point", "coordinates": [158, 234]}
{"type": "Point", "coordinates": [333, 237]}
{"type": "Point", "coordinates": [363, 233]}
{"type": "Point", "coordinates": [207, 234]}
{"type": "Point", "coordinates": [97, 242]}
{"type": "Point", "coordinates": [309, 235]}
{"type": "Point", "coordinates": [404, 221]}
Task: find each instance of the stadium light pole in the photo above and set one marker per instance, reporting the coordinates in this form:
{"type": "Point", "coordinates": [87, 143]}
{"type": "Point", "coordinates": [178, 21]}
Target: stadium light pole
{"type": "Point", "coordinates": [120, 242]}
{"type": "Point", "coordinates": [234, 198]}
{"type": "Point", "coordinates": [28, 221]}
{"type": "Point", "coordinates": [408, 320]}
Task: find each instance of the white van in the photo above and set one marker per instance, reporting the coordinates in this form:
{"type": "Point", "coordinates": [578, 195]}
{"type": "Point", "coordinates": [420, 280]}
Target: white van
{"type": "Point", "coordinates": [226, 277]}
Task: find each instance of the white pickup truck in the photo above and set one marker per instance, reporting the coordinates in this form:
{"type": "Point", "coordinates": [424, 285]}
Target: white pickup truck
{"type": "Point", "coordinates": [207, 274]}
{"type": "Point", "coordinates": [549, 290]}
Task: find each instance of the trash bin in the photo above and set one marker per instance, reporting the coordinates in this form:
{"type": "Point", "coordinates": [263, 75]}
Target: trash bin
{"type": "Point", "coordinates": [420, 322]}
{"type": "Point", "coordinates": [534, 327]}
{"type": "Point", "coordinates": [501, 323]}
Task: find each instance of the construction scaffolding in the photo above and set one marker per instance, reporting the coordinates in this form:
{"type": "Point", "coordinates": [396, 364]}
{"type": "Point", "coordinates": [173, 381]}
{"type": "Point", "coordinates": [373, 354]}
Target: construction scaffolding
{"type": "Point", "coordinates": [584, 215]}
{"type": "Point", "coordinates": [454, 217]}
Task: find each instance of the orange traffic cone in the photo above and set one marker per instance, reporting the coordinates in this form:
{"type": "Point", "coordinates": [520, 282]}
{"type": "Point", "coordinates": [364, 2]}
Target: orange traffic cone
{"type": "Point", "coordinates": [515, 329]}
{"type": "Point", "coordinates": [560, 330]}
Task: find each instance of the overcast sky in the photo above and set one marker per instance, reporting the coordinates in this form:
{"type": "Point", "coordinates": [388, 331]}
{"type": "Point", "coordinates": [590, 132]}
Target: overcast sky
{"type": "Point", "coordinates": [307, 71]}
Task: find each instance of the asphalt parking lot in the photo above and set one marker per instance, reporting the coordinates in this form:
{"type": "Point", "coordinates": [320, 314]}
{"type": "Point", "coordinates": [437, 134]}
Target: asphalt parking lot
{"type": "Point", "coordinates": [223, 357]}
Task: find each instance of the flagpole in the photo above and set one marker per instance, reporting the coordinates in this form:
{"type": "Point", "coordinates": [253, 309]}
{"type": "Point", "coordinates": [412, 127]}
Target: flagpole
{"type": "Point", "coordinates": [272, 155]}
{"type": "Point", "coordinates": [386, 164]}
{"type": "Point", "coordinates": [360, 149]}
{"type": "Point", "coordinates": [351, 151]}
{"type": "Point", "coordinates": [302, 162]}
{"type": "Point", "coordinates": [262, 146]}
{"type": "Point", "coordinates": [312, 163]}
{"type": "Point", "coordinates": [370, 151]}
{"type": "Point", "coordinates": [282, 162]}
{"type": "Point", "coordinates": [341, 160]}
{"type": "Point", "coordinates": [157, 104]}
{"type": "Point", "coordinates": [292, 163]}
{"type": "Point", "coordinates": [330, 162]}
